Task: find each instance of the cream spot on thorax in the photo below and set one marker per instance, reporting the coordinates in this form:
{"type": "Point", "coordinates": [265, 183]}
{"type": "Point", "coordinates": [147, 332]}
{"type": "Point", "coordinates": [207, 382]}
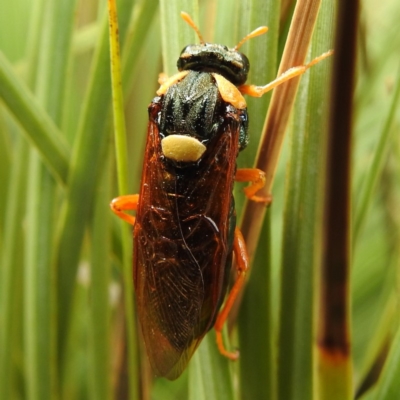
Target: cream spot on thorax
{"type": "Point", "coordinates": [182, 148]}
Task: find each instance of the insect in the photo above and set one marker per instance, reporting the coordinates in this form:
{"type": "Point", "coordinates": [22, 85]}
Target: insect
{"type": "Point", "coordinates": [185, 230]}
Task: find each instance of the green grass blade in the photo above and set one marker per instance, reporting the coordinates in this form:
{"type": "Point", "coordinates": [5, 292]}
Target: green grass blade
{"type": "Point", "coordinates": [388, 387]}
{"type": "Point", "coordinates": [11, 266]}
{"type": "Point", "coordinates": [278, 116]}
{"type": "Point", "coordinates": [255, 325]}
{"type": "Point", "coordinates": [256, 328]}
{"type": "Point", "coordinates": [220, 23]}
{"type": "Point", "coordinates": [118, 102]}
{"type": "Point", "coordinates": [301, 215]}
{"type": "Point", "coordinates": [38, 126]}
{"type": "Point", "coordinates": [40, 322]}
{"type": "Point", "coordinates": [86, 160]}
{"type": "Point", "coordinates": [209, 373]}
{"type": "Point", "coordinates": [5, 168]}
{"type": "Point", "coordinates": [100, 279]}
{"type": "Point", "coordinates": [136, 37]}
{"type": "Point", "coordinates": [262, 53]}
{"type": "Point", "coordinates": [11, 271]}
{"type": "Point", "coordinates": [370, 395]}
{"type": "Point", "coordinates": [122, 170]}
{"type": "Point", "coordinates": [40, 331]}
{"type": "Point", "coordinates": [376, 353]}
{"type": "Point", "coordinates": [140, 89]}
{"type": "Point", "coordinates": [385, 140]}
{"type": "Point", "coordinates": [175, 33]}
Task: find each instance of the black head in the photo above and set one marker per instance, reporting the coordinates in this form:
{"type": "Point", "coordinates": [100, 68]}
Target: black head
{"type": "Point", "coordinates": [230, 63]}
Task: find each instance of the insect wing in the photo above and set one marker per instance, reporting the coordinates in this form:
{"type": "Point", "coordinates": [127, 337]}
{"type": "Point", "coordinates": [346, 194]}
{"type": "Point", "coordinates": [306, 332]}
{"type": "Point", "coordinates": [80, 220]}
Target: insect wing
{"type": "Point", "coordinates": [183, 247]}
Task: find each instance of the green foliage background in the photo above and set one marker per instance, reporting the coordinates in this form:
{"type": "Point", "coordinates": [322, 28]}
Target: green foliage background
{"type": "Point", "coordinates": [67, 324]}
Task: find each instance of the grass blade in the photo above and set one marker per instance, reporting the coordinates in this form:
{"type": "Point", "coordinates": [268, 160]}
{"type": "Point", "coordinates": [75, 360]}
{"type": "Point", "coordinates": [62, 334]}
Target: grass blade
{"type": "Point", "coordinates": [5, 168]}
{"type": "Point", "coordinates": [385, 140]}
{"type": "Point", "coordinates": [209, 373]}
{"type": "Point", "coordinates": [11, 271]}
{"type": "Point", "coordinates": [100, 278]}
{"type": "Point", "coordinates": [278, 113]}
{"type": "Point", "coordinates": [122, 169]}
{"type": "Point", "coordinates": [302, 212]}
{"type": "Point", "coordinates": [11, 266]}
{"type": "Point", "coordinates": [134, 43]}
{"type": "Point", "coordinates": [85, 163]}
{"type": "Point", "coordinates": [38, 126]}
{"type": "Point", "coordinates": [389, 384]}
{"type": "Point", "coordinates": [175, 33]}
{"type": "Point", "coordinates": [255, 325]}
{"type": "Point", "coordinates": [40, 323]}
{"type": "Point", "coordinates": [333, 351]}
{"type": "Point", "coordinates": [40, 331]}
{"type": "Point", "coordinates": [256, 328]}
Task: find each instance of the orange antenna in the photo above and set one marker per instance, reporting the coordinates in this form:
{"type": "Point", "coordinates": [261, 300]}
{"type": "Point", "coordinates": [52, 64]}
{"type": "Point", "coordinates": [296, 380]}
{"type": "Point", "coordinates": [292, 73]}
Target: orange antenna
{"type": "Point", "coordinates": [188, 19]}
{"type": "Point", "coordinates": [257, 32]}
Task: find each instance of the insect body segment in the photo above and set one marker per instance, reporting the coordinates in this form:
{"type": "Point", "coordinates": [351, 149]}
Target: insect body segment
{"type": "Point", "coordinates": [231, 64]}
{"type": "Point", "coordinates": [183, 240]}
{"type": "Point", "coordinates": [185, 230]}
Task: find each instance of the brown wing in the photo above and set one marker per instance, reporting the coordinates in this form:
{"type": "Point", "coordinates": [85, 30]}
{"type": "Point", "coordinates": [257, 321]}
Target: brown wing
{"type": "Point", "coordinates": [183, 247]}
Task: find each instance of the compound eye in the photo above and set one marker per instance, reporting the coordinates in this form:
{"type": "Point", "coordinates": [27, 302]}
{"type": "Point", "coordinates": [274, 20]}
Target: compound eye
{"type": "Point", "coordinates": [187, 51]}
{"type": "Point", "coordinates": [186, 55]}
{"type": "Point", "coordinates": [245, 62]}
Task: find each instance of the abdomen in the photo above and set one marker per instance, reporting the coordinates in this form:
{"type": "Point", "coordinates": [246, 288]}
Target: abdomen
{"type": "Point", "coordinates": [183, 245]}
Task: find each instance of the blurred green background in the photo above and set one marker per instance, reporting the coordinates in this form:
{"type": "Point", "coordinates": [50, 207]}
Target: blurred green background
{"type": "Point", "coordinates": [67, 325]}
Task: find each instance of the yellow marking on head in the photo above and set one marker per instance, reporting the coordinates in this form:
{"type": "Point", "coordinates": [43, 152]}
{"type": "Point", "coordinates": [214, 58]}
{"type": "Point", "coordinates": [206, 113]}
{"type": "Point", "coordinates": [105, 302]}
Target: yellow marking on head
{"type": "Point", "coordinates": [229, 92]}
{"type": "Point", "coordinates": [182, 148]}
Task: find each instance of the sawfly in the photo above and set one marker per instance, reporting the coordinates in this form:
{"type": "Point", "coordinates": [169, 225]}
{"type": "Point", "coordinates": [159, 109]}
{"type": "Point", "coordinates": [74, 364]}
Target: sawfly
{"type": "Point", "coordinates": [185, 231]}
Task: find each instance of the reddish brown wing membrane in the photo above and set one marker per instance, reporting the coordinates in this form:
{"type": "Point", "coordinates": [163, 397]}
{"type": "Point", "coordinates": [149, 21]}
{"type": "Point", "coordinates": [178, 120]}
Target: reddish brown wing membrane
{"type": "Point", "coordinates": [183, 246]}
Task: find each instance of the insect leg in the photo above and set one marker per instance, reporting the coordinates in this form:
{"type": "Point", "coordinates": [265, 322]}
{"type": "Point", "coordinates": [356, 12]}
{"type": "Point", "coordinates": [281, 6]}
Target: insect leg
{"type": "Point", "coordinates": [258, 91]}
{"type": "Point", "coordinates": [256, 177]}
{"type": "Point", "coordinates": [242, 262]}
{"type": "Point", "coordinates": [124, 203]}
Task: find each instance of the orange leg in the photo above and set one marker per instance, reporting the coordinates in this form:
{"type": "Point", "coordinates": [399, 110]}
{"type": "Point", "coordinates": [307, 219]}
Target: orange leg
{"type": "Point", "coordinates": [258, 91]}
{"type": "Point", "coordinates": [125, 203]}
{"type": "Point", "coordinates": [256, 177]}
{"type": "Point", "coordinates": [242, 262]}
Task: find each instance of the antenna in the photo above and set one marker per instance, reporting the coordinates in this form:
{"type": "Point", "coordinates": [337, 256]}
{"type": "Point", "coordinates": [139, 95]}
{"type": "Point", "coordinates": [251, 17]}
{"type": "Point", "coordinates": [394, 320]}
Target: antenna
{"type": "Point", "coordinates": [257, 32]}
{"type": "Point", "coordinates": [188, 19]}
